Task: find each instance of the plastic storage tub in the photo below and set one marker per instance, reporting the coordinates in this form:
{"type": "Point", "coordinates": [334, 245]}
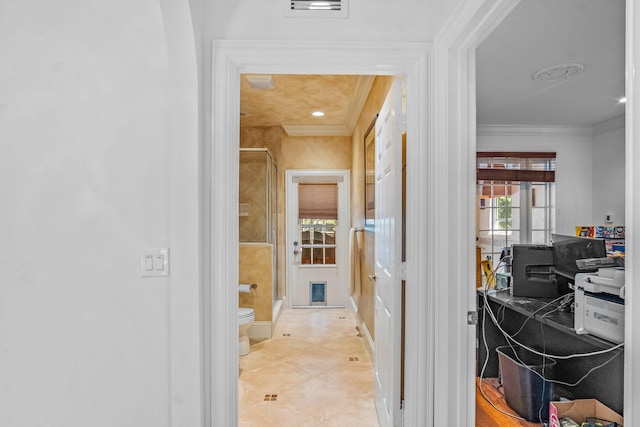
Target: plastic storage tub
{"type": "Point", "coordinates": [524, 390]}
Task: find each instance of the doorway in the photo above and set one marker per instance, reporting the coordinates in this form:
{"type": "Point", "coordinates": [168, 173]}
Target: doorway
{"type": "Point", "coordinates": [235, 58]}
{"type": "Point", "coordinates": [316, 250]}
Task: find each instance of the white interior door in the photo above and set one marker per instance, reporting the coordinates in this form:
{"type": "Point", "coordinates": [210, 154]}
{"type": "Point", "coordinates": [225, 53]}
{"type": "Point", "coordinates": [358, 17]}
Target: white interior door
{"type": "Point", "coordinates": [388, 257]}
{"type": "Point", "coordinates": [317, 238]}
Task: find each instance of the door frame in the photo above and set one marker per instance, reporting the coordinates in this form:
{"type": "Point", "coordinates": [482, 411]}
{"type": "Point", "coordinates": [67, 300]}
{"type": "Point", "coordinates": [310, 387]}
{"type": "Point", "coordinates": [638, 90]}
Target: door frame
{"type": "Point", "coordinates": [229, 60]}
{"type": "Point", "coordinates": [342, 231]}
{"type": "Point", "coordinates": [454, 81]}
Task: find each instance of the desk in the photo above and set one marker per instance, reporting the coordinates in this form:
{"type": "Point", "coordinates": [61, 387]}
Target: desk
{"type": "Point", "coordinates": [552, 332]}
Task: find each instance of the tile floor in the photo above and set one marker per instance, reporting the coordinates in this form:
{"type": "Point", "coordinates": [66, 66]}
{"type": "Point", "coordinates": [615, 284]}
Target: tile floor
{"type": "Point", "coordinates": [314, 372]}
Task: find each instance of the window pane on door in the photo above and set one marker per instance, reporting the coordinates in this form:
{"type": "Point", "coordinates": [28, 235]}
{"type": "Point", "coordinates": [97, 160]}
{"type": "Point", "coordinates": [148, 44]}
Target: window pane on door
{"type": "Point", "coordinates": [306, 255]}
{"type": "Point", "coordinates": [330, 255]}
{"type": "Point", "coordinates": [318, 237]}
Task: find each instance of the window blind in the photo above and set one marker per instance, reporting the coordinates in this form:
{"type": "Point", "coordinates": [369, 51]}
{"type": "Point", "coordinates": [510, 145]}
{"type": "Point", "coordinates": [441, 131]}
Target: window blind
{"type": "Point", "coordinates": [502, 167]}
{"type": "Point", "coordinates": [318, 201]}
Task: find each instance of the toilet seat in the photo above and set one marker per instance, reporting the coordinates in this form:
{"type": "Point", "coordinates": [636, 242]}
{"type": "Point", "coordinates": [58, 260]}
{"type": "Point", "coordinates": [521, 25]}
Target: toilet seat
{"type": "Point", "coordinates": [245, 315]}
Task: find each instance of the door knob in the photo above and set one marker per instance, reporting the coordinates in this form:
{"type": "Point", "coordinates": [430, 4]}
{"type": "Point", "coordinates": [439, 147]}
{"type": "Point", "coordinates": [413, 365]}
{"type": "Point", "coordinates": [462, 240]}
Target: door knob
{"type": "Point", "coordinates": [372, 277]}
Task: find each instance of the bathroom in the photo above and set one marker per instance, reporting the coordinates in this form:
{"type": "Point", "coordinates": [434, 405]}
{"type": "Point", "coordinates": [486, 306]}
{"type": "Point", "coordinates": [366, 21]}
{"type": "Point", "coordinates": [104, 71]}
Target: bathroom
{"type": "Point", "coordinates": [272, 149]}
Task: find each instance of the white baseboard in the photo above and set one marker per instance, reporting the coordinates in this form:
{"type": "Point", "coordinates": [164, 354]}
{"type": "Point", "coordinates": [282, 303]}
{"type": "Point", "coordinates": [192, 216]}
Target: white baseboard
{"type": "Point", "coordinates": [352, 304]}
{"type": "Point", "coordinates": [369, 344]}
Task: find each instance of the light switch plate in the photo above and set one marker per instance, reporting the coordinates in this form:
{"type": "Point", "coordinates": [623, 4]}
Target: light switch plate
{"type": "Point", "coordinates": [155, 263]}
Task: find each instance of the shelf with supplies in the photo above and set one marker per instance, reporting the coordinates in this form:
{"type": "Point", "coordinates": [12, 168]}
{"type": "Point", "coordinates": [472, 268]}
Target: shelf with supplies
{"type": "Point", "coordinates": [613, 235]}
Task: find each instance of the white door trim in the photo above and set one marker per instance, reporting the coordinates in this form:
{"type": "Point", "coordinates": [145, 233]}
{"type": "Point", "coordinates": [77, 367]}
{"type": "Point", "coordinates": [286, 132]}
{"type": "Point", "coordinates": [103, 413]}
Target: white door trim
{"type": "Point", "coordinates": [454, 77]}
{"type": "Point", "coordinates": [230, 59]}
{"type": "Point", "coordinates": [632, 213]}
{"type": "Point", "coordinates": [342, 178]}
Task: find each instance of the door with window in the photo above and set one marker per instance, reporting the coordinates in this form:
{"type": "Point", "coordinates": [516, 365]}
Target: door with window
{"type": "Point", "coordinates": [317, 239]}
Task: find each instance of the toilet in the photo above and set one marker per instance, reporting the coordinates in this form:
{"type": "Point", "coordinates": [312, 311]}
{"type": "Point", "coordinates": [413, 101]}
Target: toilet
{"type": "Point", "coordinates": [245, 318]}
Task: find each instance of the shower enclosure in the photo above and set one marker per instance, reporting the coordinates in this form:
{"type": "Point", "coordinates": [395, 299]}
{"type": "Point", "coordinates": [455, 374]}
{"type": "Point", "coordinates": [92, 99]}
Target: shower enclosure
{"type": "Point", "coordinates": [258, 202]}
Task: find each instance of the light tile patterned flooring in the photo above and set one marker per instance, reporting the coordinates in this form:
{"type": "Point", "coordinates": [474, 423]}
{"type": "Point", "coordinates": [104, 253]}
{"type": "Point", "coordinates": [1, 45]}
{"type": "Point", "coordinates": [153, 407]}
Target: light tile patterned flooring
{"type": "Point", "coordinates": [313, 372]}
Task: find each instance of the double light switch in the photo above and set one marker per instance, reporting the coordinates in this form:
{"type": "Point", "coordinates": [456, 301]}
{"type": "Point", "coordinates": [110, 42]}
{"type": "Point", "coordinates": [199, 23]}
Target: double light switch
{"type": "Point", "coordinates": [155, 262]}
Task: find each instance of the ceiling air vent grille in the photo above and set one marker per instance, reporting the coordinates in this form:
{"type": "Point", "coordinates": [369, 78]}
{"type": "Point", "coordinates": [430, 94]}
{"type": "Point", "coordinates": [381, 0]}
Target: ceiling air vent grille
{"type": "Point", "coordinates": [316, 5]}
{"type": "Point", "coordinates": [316, 8]}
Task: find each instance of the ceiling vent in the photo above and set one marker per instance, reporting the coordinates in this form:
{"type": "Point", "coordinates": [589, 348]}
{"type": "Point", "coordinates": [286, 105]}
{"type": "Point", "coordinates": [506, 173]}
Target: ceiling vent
{"type": "Point", "coordinates": [261, 82]}
{"type": "Point", "coordinates": [558, 72]}
{"type": "Point", "coordinates": [316, 8]}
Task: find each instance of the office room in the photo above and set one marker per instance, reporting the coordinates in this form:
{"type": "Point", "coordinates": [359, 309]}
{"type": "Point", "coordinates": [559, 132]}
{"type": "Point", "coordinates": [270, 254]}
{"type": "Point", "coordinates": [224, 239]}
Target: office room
{"type": "Point", "coordinates": [551, 173]}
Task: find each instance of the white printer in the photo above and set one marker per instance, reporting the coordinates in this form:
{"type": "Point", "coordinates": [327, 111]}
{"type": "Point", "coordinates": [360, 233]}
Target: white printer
{"type": "Point", "coordinates": [599, 304]}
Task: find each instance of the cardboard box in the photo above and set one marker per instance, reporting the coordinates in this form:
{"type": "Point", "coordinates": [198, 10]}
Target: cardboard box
{"type": "Point", "coordinates": [579, 410]}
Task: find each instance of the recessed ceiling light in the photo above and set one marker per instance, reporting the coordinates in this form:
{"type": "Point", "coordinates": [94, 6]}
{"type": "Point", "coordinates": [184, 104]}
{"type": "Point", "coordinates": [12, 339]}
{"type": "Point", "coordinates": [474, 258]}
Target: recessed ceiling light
{"type": "Point", "coordinates": [317, 114]}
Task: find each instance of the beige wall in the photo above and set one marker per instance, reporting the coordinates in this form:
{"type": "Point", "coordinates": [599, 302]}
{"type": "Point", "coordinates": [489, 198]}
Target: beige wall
{"type": "Point", "coordinates": [255, 267]}
{"type": "Point", "coordinates": [371, 108]}
{"type": "Point", "coordinates": [317, 152]}
{"type": "Point", "coordinates": [263, 137]}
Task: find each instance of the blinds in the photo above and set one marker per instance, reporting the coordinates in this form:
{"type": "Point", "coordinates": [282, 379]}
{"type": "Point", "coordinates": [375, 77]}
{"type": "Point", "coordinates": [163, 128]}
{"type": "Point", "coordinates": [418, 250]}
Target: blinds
{"type": "Point", "coordinates": [502, 167]}
{"type": "Point", "coordinates": [318, 201]}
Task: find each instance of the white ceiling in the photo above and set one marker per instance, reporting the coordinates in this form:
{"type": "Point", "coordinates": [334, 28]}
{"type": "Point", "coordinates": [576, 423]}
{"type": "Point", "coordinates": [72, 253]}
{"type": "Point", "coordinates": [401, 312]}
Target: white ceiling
{"type": "Point", "coordinates": [536, 35]}
{"type": "Point", "coordinates": [542, 33]}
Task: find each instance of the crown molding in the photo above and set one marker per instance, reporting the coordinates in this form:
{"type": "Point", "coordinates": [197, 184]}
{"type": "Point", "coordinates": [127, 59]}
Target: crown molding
{"type": "Point", "coordinates": [360, 95]}
{"type": "Point", "coordinates": [609, 125]}
{"type": "Point", "coordinates": [332, 130]}
{"type": "Point", "coordinates": [517, 130]}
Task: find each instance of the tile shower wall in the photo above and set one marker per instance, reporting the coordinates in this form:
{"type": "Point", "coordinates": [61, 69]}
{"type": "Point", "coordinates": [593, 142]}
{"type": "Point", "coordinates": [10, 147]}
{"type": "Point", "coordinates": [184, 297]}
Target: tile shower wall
{"type": "Point", "coordinates": [256, 222]}
{"type": "Point", "coordinates": [271, 139]}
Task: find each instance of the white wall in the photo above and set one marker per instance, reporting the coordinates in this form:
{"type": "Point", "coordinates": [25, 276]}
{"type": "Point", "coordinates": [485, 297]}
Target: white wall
{"type": "Point", "coordinates": [402, 20]}
{"type": "Point", "coordinates": [608, 172]}
{"type": "Point", "coordinates": [98, 156]}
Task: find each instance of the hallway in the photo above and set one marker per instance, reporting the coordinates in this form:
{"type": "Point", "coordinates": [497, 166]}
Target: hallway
{"type": "Point", "coordinates": [314, 372]}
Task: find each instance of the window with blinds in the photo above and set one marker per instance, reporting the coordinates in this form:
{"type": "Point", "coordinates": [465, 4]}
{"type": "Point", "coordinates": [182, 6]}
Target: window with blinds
{"type": "Point", "coordinates": [317, 220]}
{"type": "Point", "coordinates": [515, 199]}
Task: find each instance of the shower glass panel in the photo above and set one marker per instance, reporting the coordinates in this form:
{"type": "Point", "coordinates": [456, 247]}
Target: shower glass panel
{"type": "Point", "coordinates": [258, 201]}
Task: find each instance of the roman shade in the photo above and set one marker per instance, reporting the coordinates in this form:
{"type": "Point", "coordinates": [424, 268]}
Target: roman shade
{"type": "Point", "coordinates": [318, 201]}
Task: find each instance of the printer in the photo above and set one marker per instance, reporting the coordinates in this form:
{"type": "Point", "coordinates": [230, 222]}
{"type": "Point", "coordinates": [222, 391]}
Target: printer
{"type": "Point", "coordinates": [599, 303]}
